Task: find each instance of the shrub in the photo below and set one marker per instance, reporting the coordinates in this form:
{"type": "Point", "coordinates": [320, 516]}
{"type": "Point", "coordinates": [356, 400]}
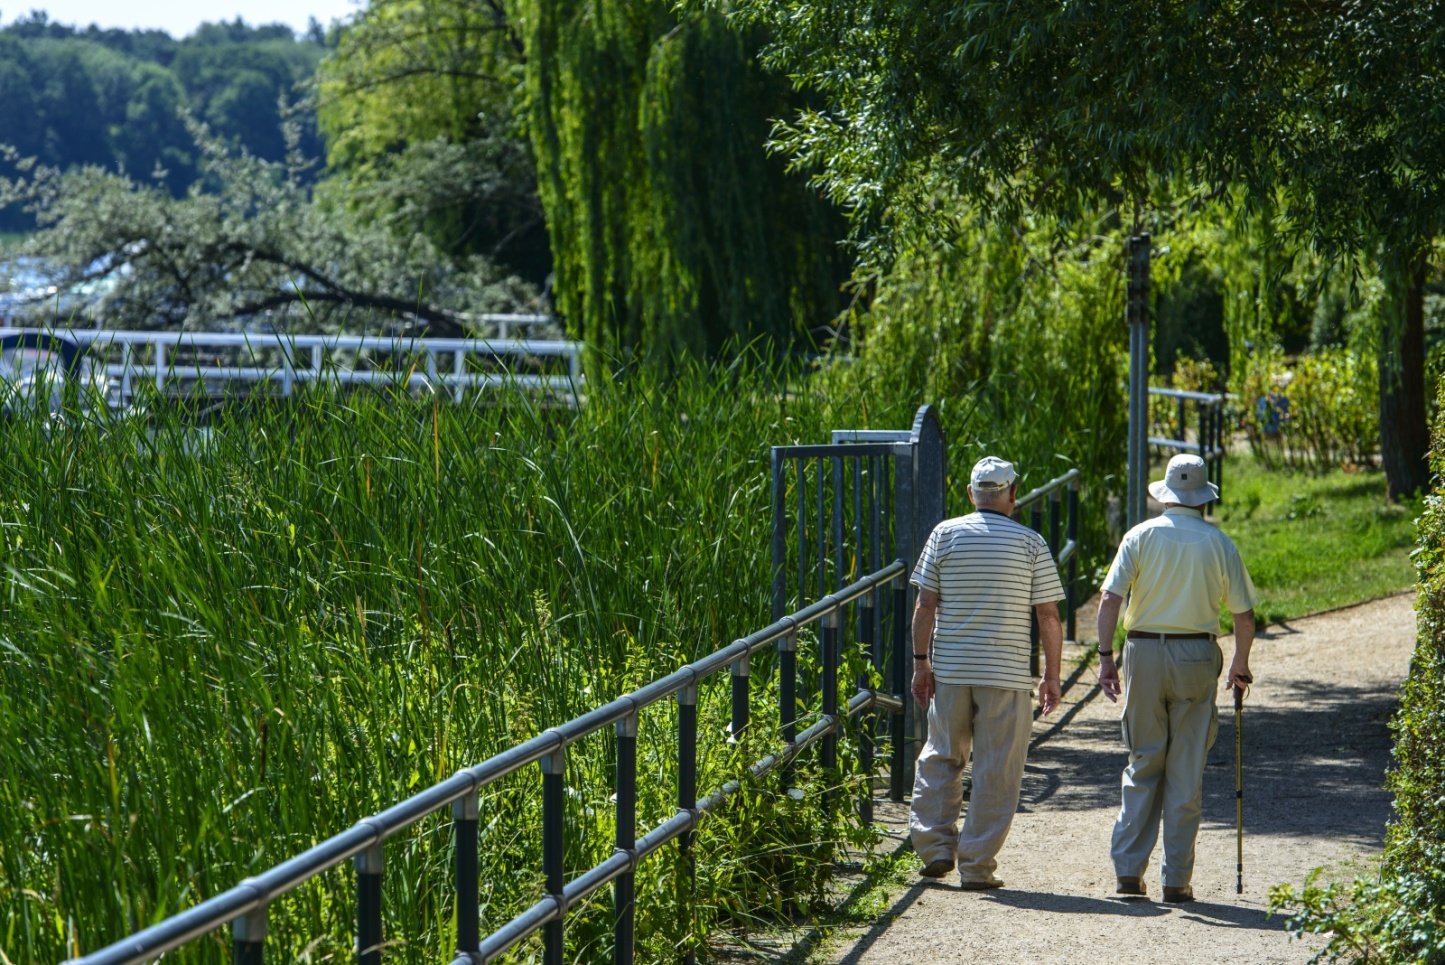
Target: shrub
{"type": "Point", "coordinates": [1316, 413]}
{"type": "Point", "coordinates": [1400, 916]}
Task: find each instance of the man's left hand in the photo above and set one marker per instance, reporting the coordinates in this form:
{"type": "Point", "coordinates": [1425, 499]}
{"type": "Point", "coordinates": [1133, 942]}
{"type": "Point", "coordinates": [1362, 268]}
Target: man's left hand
{"type": "Point", "coordinates": [923, 684]}
{"type": "Point", "coordinates": [1048, 695]}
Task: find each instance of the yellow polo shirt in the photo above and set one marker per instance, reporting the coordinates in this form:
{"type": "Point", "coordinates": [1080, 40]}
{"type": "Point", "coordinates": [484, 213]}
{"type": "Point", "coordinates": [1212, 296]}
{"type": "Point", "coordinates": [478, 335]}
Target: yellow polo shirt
{"type": "Point", "coordinates": [1175, 570]}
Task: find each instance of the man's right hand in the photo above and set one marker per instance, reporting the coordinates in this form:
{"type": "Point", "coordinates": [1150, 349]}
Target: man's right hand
{"type": "Point", "coordinates": [922, 683]}
{"type": "Point", "coordinates": [1109, 678]}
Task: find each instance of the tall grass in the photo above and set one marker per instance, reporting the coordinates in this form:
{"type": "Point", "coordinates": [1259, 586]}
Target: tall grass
{"type": "Point", "coordinates": [220, 646]}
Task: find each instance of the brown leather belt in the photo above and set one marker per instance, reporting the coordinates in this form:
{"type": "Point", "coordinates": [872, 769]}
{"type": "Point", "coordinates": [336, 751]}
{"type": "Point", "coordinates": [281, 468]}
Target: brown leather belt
{"type": "Point", "coordinates": [1144, 635]}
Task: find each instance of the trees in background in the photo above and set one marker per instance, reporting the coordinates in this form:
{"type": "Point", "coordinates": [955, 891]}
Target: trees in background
{"type": "Point", "coordinates": [254, 250]}
{"type": "Point", "coordinates": [1327, 118]}
{"type": "Point", "coordinates": [114, 98]}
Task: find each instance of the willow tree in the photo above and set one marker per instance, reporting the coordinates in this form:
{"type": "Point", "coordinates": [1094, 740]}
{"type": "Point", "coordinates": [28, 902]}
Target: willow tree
{"type": "Point", "coordinates": [673, 232]}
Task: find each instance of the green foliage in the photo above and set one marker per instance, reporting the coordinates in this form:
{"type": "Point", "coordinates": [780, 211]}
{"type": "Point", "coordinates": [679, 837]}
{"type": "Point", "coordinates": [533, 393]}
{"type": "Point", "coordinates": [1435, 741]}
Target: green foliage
{"type": "Point", "coordinates": [1316, 414]}
{"type": "Point", "coordinates": [1028, 108]}
{"type": "Point", "coordinates": [1399, 917]}
{"type": "Point", "coordinates": [674, 234]}
{"type": "Point", "coordinates": [1015, 336]}
{"type": "Point", "coordinates": [421, 105]}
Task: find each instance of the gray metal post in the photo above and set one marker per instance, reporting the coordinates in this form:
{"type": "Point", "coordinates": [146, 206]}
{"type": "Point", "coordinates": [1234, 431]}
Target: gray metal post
{"type": "Point", "coordinates": [1138, 318]}
{"type": "Point", "coordinates": [465, 812]}
{"type": "Point", "coordinates": [869, 723]}
{"type": "Point", "coordinates": [624, 889]}
{"type": "Point", "coordinates": [830, 661]}
{"type": "Point", "coordinates": [687, 800]}
{"type": "Point", "coordinates": [554, 817]}
{"type": "Point", "coordinates": [780, 536]}
{"type": "Point", "coordinates": [248, 938]}
{"type": "Point", "coordinates": [369, 865]}
{"type": "Point", "coordinates": [905, 510]}
{"type": "Point", "coordinates": [740, 696]}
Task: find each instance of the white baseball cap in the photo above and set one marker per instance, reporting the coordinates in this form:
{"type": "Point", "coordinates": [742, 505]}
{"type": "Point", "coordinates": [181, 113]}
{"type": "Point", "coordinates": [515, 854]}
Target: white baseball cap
{"type": "Point", "coordinates": [990, 474]}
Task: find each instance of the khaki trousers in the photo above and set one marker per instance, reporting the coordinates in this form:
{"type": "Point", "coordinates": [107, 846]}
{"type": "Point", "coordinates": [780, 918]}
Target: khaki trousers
{"type": "Point", "coordinates": [995, 724]}
{"type": "Point", "coordinates": [1169, 723]}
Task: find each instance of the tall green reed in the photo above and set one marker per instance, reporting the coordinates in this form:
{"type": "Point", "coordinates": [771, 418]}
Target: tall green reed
{"type": "Point", "coordinates": [222, 644]}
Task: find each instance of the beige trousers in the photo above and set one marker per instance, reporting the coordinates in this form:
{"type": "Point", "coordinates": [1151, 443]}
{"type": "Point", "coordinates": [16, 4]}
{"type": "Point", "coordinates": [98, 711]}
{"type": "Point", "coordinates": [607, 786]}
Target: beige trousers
{"type": "Point", "coordinates": [1169, 722]}
{"type": "Point", "coordinates": [993, 723]}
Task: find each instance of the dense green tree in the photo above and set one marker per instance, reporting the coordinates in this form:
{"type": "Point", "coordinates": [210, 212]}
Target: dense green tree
{"type": "Point", "coordinates": [153, 136]}
{"type": "Point", "coordinates": [67, 101]}
{"type": "Point", "coordinates": [1032, 105]}
{"type": "Point", "coordinates": [115, 98]}
{"type": "Point", "coordinates": [19, 116]}
{"type": "Point", "coordinates": [674, 232]}
{"type": "Point", "coordinates": [419, 108]}
{"type": "Point", "coordinates": [235, 78]}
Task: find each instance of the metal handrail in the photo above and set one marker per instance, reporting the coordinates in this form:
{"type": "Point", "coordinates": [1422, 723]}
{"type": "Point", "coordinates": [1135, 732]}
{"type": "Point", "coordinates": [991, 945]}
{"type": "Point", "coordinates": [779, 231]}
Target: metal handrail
{"type": "Point", "coordinates": [245, 903]}
{"type": "Point", "coordinates": [1211, 443]}
{"type": "Point", "coordinates": [304, 358]}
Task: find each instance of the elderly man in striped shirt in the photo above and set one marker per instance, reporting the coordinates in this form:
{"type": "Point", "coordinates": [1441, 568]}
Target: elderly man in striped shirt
{"type": "Point", "coordinates": [980, 578]}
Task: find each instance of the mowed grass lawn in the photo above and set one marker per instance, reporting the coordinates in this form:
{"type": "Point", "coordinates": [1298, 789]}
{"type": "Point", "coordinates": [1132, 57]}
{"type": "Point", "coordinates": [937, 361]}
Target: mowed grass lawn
{"type": "Point", "coordinates": [1315, 543]}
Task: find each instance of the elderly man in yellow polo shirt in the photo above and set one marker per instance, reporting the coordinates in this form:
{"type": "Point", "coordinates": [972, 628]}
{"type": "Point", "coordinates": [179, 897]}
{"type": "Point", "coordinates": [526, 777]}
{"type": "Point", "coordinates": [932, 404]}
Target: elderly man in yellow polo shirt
{"type": "Point", "coordinates": [1175, 570]}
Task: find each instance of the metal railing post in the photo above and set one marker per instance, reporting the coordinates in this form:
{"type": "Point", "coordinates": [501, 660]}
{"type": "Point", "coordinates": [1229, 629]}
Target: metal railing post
{"type": "Point", "coordinates": [624, 889]}
{"type": "Point", "coordinates": [780, 536]}
{"type": "Point", "coordinates": [554, 816]}
{"type": "Point", "coordinates": [368, 905]}
{"type": "Point", "coordinates": [1218, 443]}
{"type": "Point", "coordinates": [1036, 523]}
{"type": "Point", "coordinates": [554, 847]}
{"type": "Point", "coordinates": [906, 514]}
{"type": "Point", "coordinates": [866, 725]}
{"type": "Point", "coordinates": [464, 817]}
{"type": "Point", "coordinates": [788, 696]}
{"type": "Point", "coordinates": [1073, 531]}
{"type": "Point", "coordinates": [687, 798]}
{"type": "Point", "coordinates": [830, 705]}
{"type": "Point", "coordinates": [897, 771]}
{"type": "Point", "coordinates": [740, 696]}
{"type": "Point", "coordinates": [1205, 453]}
{"type": "Point", "coordinates": [248, 938]}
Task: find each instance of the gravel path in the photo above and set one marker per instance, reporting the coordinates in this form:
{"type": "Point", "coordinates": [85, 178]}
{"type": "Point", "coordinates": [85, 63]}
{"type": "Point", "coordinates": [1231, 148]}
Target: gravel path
{"type": "Point", "coordinates": [1316, 745]}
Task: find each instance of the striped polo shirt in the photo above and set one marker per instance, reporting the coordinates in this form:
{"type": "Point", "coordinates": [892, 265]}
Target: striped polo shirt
{"type": "Point", "coordinates": [989, 571]}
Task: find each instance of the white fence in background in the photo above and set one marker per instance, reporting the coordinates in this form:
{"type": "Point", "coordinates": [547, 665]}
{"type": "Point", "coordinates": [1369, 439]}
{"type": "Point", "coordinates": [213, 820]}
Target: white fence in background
{"type": "Point", "coordinates": [210, 363]}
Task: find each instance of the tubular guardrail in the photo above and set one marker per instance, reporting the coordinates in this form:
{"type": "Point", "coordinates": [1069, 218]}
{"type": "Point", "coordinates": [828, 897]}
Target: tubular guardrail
{"type": "Point", "coordinates": [1209, 430]}
{"type": "Point", "coordinates": [244, 906]}
{"type": "Point", "coordinates": [1062, 515]}
{"type": "Point", "coordinates": [474, 363]}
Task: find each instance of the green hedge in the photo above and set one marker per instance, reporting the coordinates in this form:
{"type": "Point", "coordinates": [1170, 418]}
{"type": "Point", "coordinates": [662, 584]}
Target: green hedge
{"type": "Point", "coordinates": [1400, 916]}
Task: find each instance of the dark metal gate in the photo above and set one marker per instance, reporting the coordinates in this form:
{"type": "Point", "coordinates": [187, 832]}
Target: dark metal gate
{"type": "Point", "coordinates": [846, 509]}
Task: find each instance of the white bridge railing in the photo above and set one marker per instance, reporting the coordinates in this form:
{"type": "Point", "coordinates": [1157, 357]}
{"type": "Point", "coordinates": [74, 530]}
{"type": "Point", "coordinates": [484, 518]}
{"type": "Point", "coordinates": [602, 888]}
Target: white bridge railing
{"type": "Point", "coordinates": [210, 362]}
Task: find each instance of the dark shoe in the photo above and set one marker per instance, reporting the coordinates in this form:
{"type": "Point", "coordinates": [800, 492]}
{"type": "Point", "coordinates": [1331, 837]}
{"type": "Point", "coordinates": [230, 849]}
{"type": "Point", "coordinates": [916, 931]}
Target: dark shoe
{"type": "Point", "coordinates": [1178, 896]}
{"type": "Point", "coordinates": [1130, 887]}
{"type": "Point", "coordinates": [937, 868]}
{"type": "Point", "coordinates": [984, 885]}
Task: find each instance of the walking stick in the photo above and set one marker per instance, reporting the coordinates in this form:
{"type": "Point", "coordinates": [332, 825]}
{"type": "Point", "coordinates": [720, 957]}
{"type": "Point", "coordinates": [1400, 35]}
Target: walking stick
{"type": "Point", "coordinates": [1239, 788]}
